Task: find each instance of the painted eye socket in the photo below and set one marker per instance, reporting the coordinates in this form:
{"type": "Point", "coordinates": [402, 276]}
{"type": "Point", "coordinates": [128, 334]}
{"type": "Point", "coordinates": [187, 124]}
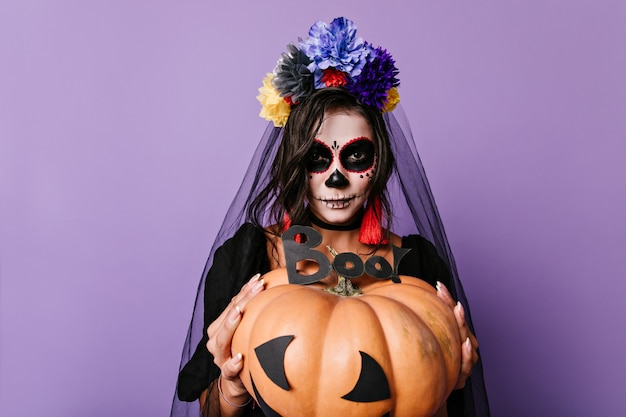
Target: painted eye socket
{"type": "Point", "coordinates": [319, 158]}
{"type": "Point", "coordinates": [358, 155]}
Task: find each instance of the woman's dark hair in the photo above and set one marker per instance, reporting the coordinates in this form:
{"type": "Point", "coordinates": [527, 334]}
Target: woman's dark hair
{"type": "Point", "coordinates": [287, 188]}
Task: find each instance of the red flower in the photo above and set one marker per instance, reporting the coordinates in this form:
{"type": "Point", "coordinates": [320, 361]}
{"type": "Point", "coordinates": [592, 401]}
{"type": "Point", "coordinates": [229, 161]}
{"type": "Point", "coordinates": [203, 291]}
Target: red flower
{"type": "Point", "coordinates": [334, 78]}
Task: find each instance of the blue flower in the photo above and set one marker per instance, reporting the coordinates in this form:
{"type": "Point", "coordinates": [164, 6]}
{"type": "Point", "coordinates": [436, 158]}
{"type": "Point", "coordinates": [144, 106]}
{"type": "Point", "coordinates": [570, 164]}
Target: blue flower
{"type": "Point", "coordinates": [335, 45]}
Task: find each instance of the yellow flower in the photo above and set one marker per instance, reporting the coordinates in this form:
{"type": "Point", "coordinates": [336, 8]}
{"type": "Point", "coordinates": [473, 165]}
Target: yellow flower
{"type": "Point", "coordinates": [274, 107]}
{"type": "Point", "coordinates": [393, 98]}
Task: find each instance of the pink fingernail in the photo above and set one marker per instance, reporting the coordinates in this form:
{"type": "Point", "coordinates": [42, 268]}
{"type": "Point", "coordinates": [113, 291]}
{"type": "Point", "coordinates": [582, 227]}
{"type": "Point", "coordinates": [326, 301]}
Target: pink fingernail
{"type": "Point", "coordinates": [444, 290]}
{"type": "Point", "coordinates": [461, 309]}
{"type": "Point", "coordinates": [254, 278]}
{"type": "Point", "coordinates": [235, 314]}
{"type": "Point", "coordinates": [235, 360]}
{"type": "Point", "coordinates": [258, 287]}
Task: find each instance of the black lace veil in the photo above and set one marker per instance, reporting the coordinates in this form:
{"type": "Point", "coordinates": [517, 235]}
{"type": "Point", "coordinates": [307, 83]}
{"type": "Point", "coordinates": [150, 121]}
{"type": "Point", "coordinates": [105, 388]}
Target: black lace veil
{"type": "Point", "coordinates": [414, 212]}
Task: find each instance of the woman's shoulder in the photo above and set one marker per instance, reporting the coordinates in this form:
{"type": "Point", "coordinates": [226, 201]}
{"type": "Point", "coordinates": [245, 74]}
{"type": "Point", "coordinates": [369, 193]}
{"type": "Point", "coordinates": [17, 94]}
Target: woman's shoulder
{"type": "Point", "coordinates": [245, 233]}
{"type": "Point", "coordinates": [422, 260]}
{"type": "Point", "coordinates": [246, 239]}
{"type": "Point", "coordinates": [418, 242]}
{"type": "Point", "coordinates": [254, 239]}
{"type": "Point", "coordinates": [248, 229]}
{"type": "Point", "coordinates": [411, 241]}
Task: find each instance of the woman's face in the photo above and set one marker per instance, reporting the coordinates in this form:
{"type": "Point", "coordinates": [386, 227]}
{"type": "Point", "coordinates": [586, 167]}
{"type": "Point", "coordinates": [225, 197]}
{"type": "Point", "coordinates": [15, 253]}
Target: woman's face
{"type": "Point", "coordinates": [340, 164]}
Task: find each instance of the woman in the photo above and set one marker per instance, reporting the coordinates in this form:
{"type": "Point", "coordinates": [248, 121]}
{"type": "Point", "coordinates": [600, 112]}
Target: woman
{"type": "Point", "coordinates": [332, 168]}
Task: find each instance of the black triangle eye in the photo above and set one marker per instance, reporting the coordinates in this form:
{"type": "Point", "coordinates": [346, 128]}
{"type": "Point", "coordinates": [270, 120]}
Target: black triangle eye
{"type": "Point", "coordinates": [372, 384]}
{"type": "Point", "coordinates": [271, 355]}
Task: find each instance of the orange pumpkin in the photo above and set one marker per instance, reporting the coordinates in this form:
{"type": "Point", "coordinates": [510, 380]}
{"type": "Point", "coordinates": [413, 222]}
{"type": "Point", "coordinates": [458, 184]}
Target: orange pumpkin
{"type": "Point", "coordinates": [392, 351]}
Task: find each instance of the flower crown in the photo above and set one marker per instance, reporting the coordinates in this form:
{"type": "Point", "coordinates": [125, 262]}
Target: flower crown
{"type": "Point", "coordinates": [332, 56]}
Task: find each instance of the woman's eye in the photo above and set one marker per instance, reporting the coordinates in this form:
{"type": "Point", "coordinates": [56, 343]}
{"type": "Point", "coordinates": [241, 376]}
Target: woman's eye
{"type": "Point", "coordinates": [318, 158]}
{"type": "Point", "coordinates": [358, 155]}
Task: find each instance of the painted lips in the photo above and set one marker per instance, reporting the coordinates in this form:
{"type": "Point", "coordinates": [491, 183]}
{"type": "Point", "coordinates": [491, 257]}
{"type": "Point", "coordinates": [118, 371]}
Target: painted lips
{"type": "Point", "coordinates": [337, 203]}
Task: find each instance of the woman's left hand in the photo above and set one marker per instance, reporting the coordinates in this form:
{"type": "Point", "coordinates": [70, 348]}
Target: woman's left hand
{"type": "Point", "coordinates": [469, 344]}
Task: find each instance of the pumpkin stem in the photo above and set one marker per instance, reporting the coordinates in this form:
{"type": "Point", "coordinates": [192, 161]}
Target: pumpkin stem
{"type": "Point", "coordinates": [344, 287]}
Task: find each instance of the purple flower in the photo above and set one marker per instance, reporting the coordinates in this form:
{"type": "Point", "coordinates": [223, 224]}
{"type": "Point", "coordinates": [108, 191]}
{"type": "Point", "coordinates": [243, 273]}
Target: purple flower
{"type": "Point", "coordinates": [375, 80]}
{"type": "Point", "coordinates": [292, 78]}
{"type": "Point", "coordinates": [335, 46]}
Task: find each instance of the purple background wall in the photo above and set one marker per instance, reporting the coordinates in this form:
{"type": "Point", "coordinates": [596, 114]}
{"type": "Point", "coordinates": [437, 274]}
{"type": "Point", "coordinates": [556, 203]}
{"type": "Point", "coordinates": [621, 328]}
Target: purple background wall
{"type": "Point", "coordinates": [125, 127]}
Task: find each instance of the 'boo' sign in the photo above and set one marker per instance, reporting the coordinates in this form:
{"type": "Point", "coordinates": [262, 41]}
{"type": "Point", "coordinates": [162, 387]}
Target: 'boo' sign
{"type": "Point", "coordinates": [347, 264]}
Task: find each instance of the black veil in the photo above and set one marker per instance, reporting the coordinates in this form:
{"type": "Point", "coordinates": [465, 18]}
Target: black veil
{"type": "Point", "coordinates": [414, 212]}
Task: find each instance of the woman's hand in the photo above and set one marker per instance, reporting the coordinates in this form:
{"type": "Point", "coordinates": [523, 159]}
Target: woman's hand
{"type": "Point", "coordinates": [469, 344]}
{"type": "Point", "coordinates": [220, 334]}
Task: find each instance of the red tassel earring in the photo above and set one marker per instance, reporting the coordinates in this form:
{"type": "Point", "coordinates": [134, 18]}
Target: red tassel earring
{"type": "Point", "coordinates": [286, 221]}
{"type": "Point", "coordinates": [371, 232]}
{"type": "Point", "coordinates": [287, 225]}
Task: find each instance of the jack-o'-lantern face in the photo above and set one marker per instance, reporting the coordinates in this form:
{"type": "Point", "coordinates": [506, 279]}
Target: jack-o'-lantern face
{"type": "Point", "coordinates": [341, 165]}
{"type": "Point", "coordinates": [371, 386]}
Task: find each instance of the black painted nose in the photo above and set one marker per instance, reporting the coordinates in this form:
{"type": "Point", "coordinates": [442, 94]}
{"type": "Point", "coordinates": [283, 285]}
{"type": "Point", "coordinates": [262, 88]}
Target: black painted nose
{"type": "Point", "coordinates": [336, 180]}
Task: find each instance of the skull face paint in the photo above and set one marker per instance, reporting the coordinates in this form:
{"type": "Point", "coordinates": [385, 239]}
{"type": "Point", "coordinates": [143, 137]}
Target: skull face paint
{"type": "Point", "coordinates": [357, 155]}
{"type": "Point", "coordinates": [340, 164]}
